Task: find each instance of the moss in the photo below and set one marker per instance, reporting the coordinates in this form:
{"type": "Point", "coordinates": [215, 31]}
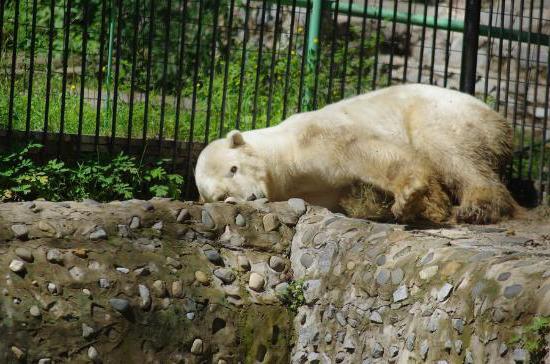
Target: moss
{"type": "Point", "coordinates": [533, 338]}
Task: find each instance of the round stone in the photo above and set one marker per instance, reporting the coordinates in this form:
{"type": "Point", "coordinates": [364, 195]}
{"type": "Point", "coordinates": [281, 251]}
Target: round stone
{"type": "Point", "coordinates": [377, 350]}
{"type": "Point", "coordinates": [297, 205]}
{"type": "Point", "coordinates": [375, 317]}
{"type": "Point", "coordinates": [225, 275]}
{"type": "Point", "coordinates": [277, 263]}
{"type": "Point", "coordinates": [243, 263]}
{"type": "Point", "coordinates": [183, 215]}
{"type": "Point", "coordinates": [383, 276]}
{"type": "Point", "coordinates": [239, 220]}
{"type": "Point", "coordinates": [54, 256]}
{"type": "Point", "coordinates": [17, 266]}
{"type": "Point", "coordinates": [159, 288]}
{"type": "Point", "coordinates": [504, 276]}
{"type": "Point", "coordinates": [93, 354]}
{"type": "Point", "coordinates": [24, 254]}
{"type": "Point", "coordinates": [381, 260]}
{"type": "Point", "coordinates": [35, 311]}
{"type": "Point", "coordinates": [306, 260]}
{"type": "Point", "coordinates": [207, 220]}
{"type": "Point", "coordinates": [256, 282]}
{"type": "Point", "coordinates": [120, 304]}
{"type": "Point", "coordinates": [104, 283]}
{"type": "Point", "coordinates": [145, 297]}
{"type": "Point", "coordinates": [173, 263]}
{"type": "Point", "coordinates": [281, 289]}
{"type": "Point", "coordinates": [135, 222]}
{"type": "Point", "coordinates": [77, 273]}
{"type": "Point", "coordinates": [98, 234]}
{"type": "Point", "coordinates": [428, 272]}
{"type": "Point", "coordinates": [202, 278]}
{"type": "Point", "coordinates": [350, 266]}
{"type": "Point", "coordinates": [397, 275]}
{"type": "Point", "coordinates": [213, 256]}
{"type": "Point", "coordinates": [45, 361]}
{"type": "Point", "coordinates": [87, 331]}
{"type": "Point", "coordinates": [271, 222]}
{"type": "Point", "coordinates": [122, 270]}
{"type": "Point", "coordinates": [394, 350]}
{"type": "Point", "coordinates": [513, 290]}
{"type": "Point", "coordinates": [21, 231]}
{"type": "Point", "coordinates": [158, 226]}
{"type": "Point", "coordinates": [197, 348]}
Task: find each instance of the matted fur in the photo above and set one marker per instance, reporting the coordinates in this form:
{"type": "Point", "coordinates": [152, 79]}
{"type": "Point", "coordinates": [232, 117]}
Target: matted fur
{"type": "Point", "coordinates": [415, 148]}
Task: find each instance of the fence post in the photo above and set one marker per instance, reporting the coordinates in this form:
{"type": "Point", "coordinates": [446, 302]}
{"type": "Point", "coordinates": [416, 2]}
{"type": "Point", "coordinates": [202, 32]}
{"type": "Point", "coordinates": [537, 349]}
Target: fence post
{"type": "Point", "coordinates": [470, 44]}
{"type": "Point", "coordinates": [312, 48]}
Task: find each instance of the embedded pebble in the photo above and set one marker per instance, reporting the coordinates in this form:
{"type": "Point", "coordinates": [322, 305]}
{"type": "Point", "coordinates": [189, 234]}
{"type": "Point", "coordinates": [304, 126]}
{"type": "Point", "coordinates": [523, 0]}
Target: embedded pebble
{"type": "Point", "coordinates": [24, 254]}
{"type": "Point", "coordinates": [77, 273]}
{"type": "Point", "coordinates": [54, 256]}
{"type": "Point", "coordinates": [383, 276]}
{"type": "Point", "coordinates": [277, 263]}
{"type": "Point", "coordinates": [410, 342]}
{"type": "Point", "coordinates": [120, 304]}
{"type": "Point", "coordinates": [375, 317]}
{"type": "Point", "coordinates": [469, 359]}
{"type": "Point", "coordinates": [81, 253]}
{"type": "Point", "coordinates": [502, 349]}
{"type": "Point", "coordinates": [87, 331]}
{"type": "Point", "coordinates": [504, 276]}
{"type": "Point", "coordinates": [44, 361]}
{"type": "Point", "coordinates": [400, 294]}
{"type": "Point", "coordinates": [177, 289]}
{"type": "Point", "coordinates": [160, 288]}
{"type": "Point", "coordinates": [93, 354]}
{"type": "Point", "coordinates": [173, 263]}
{"type": "Point", "coordinates": [394, 350]}
{"type": "Point", "coordinates": [145, 297]}
{"type": "Point", "coordinates": [17, 266]}
{"type": "Point", "coordinates": [135, 222]}
{"type": "Point", "coordinates": [428, 272]}
{"type": "Point", "coordinates": [306, 260]}
{"type": "Point", "coordinates": [104, 283]}
{"type": "Point", "coordinates": [513, 290]}
{"type": "Point", "coordinates": [281, 288]}
{"type": "Point", "coordinates": [225, 275]}
{"type": "Point", "coordinates": [377, 350]}
{"type": "Point", "coordinates": [213, 256]}
{"type": "Point", "coordinates": [202, 278]}
{"type": "Point", "coordinates": [458, 346]}
{"type": "Point", "coordinates": [397, 275]}
{"type": "Point", "coordinates": [243, 263]}
{"type": "Point", "coordinates": [19, 354]}
{"type": "Point", "coordinates": [35, 311]}
{"type": "Point", "coordinates": [444, 292]}
{"type": "Point", "coordinates": [424, 348]}
{"type": "Point", "coordinates": [54, 288]}
{"type": "Point", "coordinates": [196, 348]}
{"type": "Point", "coordinates": [122, 270]}
{"type": "Point", "coordinates": [240, 221]}
{"type": "Point", "coordinates": [183, 215]}
{"type": "Point", "coordinates": [458, 325]}
{"type": "Point", "coordinates": [519, 355]}
{"type": "Point", "coordinates": [123, 231]}
{"type": "Point", "coordinates": [271, 222]}
{"type": "Point", "coordinates": [207, 220]}
{"type": "Point", "coordinates": [21, 231]}
{"type": "Point", "coordinates": [256, 282]}
{"type": "Point", "coordinates": [158, 226]}
{"type": "Point", "coordinates": [297, 205]}
{"type": "Point", "coordinates": [98, 234]}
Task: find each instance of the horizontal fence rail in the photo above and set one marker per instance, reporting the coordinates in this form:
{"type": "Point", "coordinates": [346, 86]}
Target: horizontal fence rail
{"type": "Point", "coordinates": [160, 79]}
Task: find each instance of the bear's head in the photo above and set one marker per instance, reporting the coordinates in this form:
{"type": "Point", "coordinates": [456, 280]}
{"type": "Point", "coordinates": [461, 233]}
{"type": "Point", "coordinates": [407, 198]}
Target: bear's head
{"type": "Point", "coordinates": [230, 168]}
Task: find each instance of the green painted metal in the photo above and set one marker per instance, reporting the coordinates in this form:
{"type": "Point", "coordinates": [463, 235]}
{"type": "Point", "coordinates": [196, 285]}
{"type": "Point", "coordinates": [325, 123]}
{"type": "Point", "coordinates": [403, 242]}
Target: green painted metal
{"type": "Point", "coordinates": [312, 46]}
{"type": "Point", "coordinates": [442, 23]}
{"type": "Point", "coordinates": [109, 61]}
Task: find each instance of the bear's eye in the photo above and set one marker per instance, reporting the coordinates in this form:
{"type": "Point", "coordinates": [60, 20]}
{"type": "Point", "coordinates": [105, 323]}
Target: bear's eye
{"type": "Point", "coordinates": [234, 169]}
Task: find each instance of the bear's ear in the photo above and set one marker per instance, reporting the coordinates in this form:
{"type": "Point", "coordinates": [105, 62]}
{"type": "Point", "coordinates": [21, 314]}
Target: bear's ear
{"type": "Point", "coordinates": [235, 138]}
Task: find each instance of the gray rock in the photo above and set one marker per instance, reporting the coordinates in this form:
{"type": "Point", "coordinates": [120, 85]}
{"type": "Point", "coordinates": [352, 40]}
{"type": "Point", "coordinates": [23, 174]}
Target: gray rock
{"type": "Point", "coordinates": [135, 222]}
{"type": "Point", "coordinates": [77, 273]}
{"type": "Point", "coordinates": [225, 275]}
{"type": "Point", "coordinates": [513, 290]}
{"type": "Point", "coordinates": [397, 276]}
{"type": "Point", "coordinates": [104, 283]}
{"type": "Point", "coordinates": [173, 263]}
{"type": "Point", "coordinates": [21, 231]}
{"type": "Point", "coordinates": [17, 266]}
{"type": "Point", "coordinates": [444, 292]}
{"type": "Point", "coordinates": [276, 263]}
{"type": "Point", "coordinates": [93, 355]}
{"type": "Point", "coordinates": [520, 355]}
{"type": "Point", "coordinates": [375, 317]}
{"type": "Point", "coordinates": [306, 260]}
{"type": "Point", "coordinates": [271, 222]}
{"type": "Point", "coordinates": [377, 350]}
{"type": "Point", "coordinates": [256, 282]}
{"type": "Point", "coordinates": [98, 234]}
{"type": "Point", "coordinates": [120, 304]}
{"type": "Point", "coordinates": [502, 349]}
{"type": "Point", "coordinates": [123, 231]}
{"type": "Point", "coordinates": [281, 289]}
{"type": "Point", "coordinates": [409, 344]}
{"type": "Point", "coordinates": [341, 318]}
{"type": "Point", "coordinates": [424, 348]}
{"type": "Point", "coordinates": [35, 311]}
{"type": "Point", "coordinates": [427, 258]}
{"type": "Point", "coordinates": [458, 325]}
{"type": "Point", "coordinates": [122, 270]}
{"type": "Point", "coordinates": [394, 351]}
{"type": "Point", "coordinates": [177, 289]}
{"type": "Point", "coordinates": [159, 288]}
{"type": "Point", "coordinates": [45, 361]}
{"type": "Point", "coordinates": [213, 256]}
{"type": "Point", "coordinates": [24, 254]}
{"type": "Point", "coordinates": [243, 263]}
{"type": "Point", "coordinates": [469, 358]}
{"type": "Point", "coordinates": [328, 338]}
{"type": "Point", "coordinates": [504, 276]}
{"type": "Point", "coordinates": [297, 205]}
{"type": "Point", "coordinates": [381, 260]}
{"type": "Point", "coordinates": [383, 276]}
{"type": "Point", "coordinates": [207, 220]}
{"type": "Point", "coordinates": [87, 331]}
{"type": "Point", "coordinates": [240, 221]}
{"type": "Point", "coordinates": [54, 256]}
{"type": "Point", "coordinates": [183, 215]}
{"type": "Point", "coordinates": [448, 345]}
{"type": "Point", "coordinates": [158, 226]}
{"type": "Point", "coordinates": [400, 294]}
{"type": "Point", "coordinates": [197, 348]}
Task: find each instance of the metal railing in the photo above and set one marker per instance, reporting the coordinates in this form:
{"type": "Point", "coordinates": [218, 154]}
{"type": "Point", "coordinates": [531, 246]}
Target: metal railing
{"type": "Point", "coordinates": [161, 78]}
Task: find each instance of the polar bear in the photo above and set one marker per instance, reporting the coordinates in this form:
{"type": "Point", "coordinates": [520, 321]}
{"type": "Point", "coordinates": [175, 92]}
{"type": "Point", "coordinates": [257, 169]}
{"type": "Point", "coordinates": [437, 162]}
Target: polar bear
{"type": "Point", "coordinates": [418, 147]}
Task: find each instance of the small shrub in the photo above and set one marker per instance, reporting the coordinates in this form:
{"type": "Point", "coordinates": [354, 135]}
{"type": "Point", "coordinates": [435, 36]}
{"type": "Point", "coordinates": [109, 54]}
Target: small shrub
{"type": "Point", "coordinates": [533, 338]}
{"type": "Point", "coordinates": [293, 298]}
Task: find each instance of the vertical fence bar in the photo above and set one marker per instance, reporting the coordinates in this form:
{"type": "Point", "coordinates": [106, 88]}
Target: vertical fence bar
{"type": "Point", "coordinates": [84, 55]}
{"type": "Point", "coordinates": [544, 129]}
{"type": "Point", "coordinates": [148, 75]}
{"type": "Point", "coordinates": [100, 70]}
{"type": "Point", "coordinates": [179, 82]}
{"type": "Point", "coordinates": [190, 140]}
{"type": "Point", "coordinates": [259, 65]}
{"type": "Point", "coordinates": [31, 71]}
{"type": "Point", "coordinates": [272, 64]}
{"type": "Point", "coordinates": [407, 40]}
{"type": "Point", "coordinates": [525, 97]}
{"type": "Point", "coordinates": [243, 63]}
{"type": "Point", "coordinates": [500, 56]}
{"type": "Point", "coordinates": [540, 167]}
{"type": "Point", "coordinates": [48, 73]}
{"type": "Point", "coordinates": [392, 42]}
{"type": "Point", "coordinates": [67, 31]}
{"type": "Point", "coordinates": [228, 36]}
{"type": "Point", "coordinates": [362, 49]}
{"type": "Point", "coordinates": [422, 43]}
{"type": "Point", "coordinates": [377, 46]}
{"type": "Point", "coordinates": [516, 94]}
{"type": "Point", "coordinates": [470, 46]}
{"type": "Point", "coordinates": [164, 72]}
{"type": "Point", "coordinates": [489, 48]}
{"type": "Point", "coordinates": [434, 40]}
{"type": "Point", "coordinates": [211, 70]}
{"type": "Point", "coordinates": [302, 98]}
{"type": "Point", "coordinates": [2, 6]}
{"type": "Point", "coordinates": [133, 75]}
{"type": "Point", "coordinates": [448, 45]}
{"type": "Point", "coordinates": [289, 54]}
{"type": "Point", "coordinates": [12, 72]}
{"type": "Point", "coordinates": [117, 75]}
{"type": "Point", "coordinates": [312, 53]}
{"type": "Point", "coordinates": [508, 63]}
{"type": "Point", "coordinates": [333, 45]}
{"type": "Point", "coordinates": [346, 47]}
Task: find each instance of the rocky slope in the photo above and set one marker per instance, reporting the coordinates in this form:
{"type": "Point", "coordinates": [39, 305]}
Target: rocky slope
{"type": "Point", "coordinates": [175, 282]}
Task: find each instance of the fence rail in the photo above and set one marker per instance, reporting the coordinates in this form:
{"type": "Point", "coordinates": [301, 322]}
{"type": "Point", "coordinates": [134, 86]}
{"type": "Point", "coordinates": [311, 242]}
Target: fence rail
{"type": "Point", "coordinates": [167, 76]}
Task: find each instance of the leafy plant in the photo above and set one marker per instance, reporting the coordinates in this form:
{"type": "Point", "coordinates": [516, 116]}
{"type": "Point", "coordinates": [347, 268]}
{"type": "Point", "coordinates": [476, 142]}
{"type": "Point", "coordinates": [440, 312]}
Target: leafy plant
{"type": "Point", "coordinates": [293, 297]}
{"type": "Point", "coordinates": [533, 338]}
{"type": "Point", "coordinates": [120, 178]}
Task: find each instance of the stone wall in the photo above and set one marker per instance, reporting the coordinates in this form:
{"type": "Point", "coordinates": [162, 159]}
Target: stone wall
{"type": "Point", "coordinates": [176, 282]}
